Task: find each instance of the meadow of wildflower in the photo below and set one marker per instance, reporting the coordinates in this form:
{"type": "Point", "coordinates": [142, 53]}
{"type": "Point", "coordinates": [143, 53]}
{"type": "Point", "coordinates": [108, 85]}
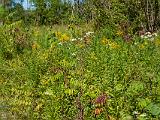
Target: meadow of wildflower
{"type": "Point", "coordinates": [77, 74]}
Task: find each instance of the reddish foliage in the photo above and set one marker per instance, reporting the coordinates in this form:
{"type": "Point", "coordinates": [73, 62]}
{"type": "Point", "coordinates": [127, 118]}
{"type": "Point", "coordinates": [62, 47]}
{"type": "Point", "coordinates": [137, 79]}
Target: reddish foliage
{"type": "Point", "coordinates": [101, 99]}
{"type": "Point", "coordinates": [127, 38]}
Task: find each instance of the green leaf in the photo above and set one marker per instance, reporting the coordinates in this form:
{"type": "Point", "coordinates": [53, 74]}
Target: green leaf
{"type": "Point", "coordinates": [136, 87]}
{"type": "Point", "coordinates": [48, 92]}
{"type": "Point", "coordinates": [154, 109]}
{"type": "Point", "coordinates": [142, 103]}
{"type": "Point", "coordinates": [118, 87]}
{"type": "Point", "coordinates": [69, 91]}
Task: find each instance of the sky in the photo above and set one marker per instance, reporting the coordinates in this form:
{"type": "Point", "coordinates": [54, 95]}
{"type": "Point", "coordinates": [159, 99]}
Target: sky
{"type": "Point", "coordinates": [27, 5]}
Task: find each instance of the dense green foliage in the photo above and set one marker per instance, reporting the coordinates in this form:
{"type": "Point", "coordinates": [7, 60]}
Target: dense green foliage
{"type": "Point", "coordinates": [47, 75]}
{"type": "Point", "coordinates": [53, 68]}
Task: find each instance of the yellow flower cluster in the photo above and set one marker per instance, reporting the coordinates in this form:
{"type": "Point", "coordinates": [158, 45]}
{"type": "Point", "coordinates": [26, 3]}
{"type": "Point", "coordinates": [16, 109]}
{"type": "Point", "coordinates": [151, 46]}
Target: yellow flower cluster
{"type": "Point", "coordinates": [58, 34]}
{"type": "Point", "coordinates": [142, 46]}
{"type": "Point", "coordinates": [44, 82]}
{"type": "Point", "coordinates": [62, 37]}
{"type": "Point", "coordinates": [105, 41]}
{"type": "Point", "coordinates": [114, 45]}
{"type": "Point", "coordinates": [119, 33]}
{"type": "Point", "coordinates": [108, 42]}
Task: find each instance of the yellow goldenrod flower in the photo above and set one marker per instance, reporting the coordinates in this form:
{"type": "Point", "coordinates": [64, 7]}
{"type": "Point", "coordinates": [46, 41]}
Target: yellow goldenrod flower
{"type": "Point", "coordinates": [44, 82]}
{"type": "Point", "coordinates": [105, 41]}
{"type": "Point", "coordinates": [119, 33]}
{"type": "Point", "coordinates": [64, 38]}
{"type": "Point", "coordinates": [114, 45]}
{"type": "Point", "coordinates": [142, 46]}
{"type": "Point", "coordinates": [58, 34]}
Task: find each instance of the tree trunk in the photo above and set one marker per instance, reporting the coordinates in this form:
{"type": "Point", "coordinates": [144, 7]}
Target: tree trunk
{"type": "Point", "coordinates": [156, 5]}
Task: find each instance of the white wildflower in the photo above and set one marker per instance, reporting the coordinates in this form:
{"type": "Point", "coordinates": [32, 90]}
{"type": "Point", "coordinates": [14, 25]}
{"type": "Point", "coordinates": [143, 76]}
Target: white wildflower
{"type": "Point", "coordinates": [47, 93]}
{"type": "Point", "coordinates": [145, 37]}
{"type": "Point", "coordinates": [135, 43]}
{"type": "Point", "coordinates": [80, 39]}
{"type": "Point", "coordinates": [135, 112]}
{"type": "Point", "coordinates": [73, 54]}
{"type": "Point", "coordinates": [60, 43]}
{"type": "Point", "coordinates": [149, 36]}
{"type": "Point", "coordinates": [89, 33]}
{"type": "Point", "coordinates": [143, 115]}
{"type": "Point", "coordinates": [142, 36]}
{"type": "Point", "coordinates": [85, 36]}
{"type": "Point", "coordinates": [148, 33]}
{"type": "Point", "coordinates": [74, 39]}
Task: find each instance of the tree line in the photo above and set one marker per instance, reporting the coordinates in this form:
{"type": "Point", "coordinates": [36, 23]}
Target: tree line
{"type": "Point", "coordinates": [139, 14]}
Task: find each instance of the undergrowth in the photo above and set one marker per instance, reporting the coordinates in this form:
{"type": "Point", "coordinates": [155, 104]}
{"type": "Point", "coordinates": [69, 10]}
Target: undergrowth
{"type": "Point", "coordinates": [45, 74]}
